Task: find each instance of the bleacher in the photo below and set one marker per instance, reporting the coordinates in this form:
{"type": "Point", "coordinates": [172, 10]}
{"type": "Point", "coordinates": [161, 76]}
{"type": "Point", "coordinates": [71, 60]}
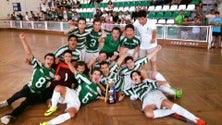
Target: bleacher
{"type": "Point", "coordinates": [160, 13]}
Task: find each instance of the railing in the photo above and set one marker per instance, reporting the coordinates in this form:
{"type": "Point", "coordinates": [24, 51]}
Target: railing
{"type": "Point", "coordinates": [177, 35]}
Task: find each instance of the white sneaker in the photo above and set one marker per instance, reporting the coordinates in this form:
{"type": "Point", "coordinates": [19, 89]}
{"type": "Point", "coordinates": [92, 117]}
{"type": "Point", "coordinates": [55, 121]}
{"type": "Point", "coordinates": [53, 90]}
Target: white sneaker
{"type": "Point", "coordinates": [6, 119]}
{"type": "Point", "coordinates": [3, 104]}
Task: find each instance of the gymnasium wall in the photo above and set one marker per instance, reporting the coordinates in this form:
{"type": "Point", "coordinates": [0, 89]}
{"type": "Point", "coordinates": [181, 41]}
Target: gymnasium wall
{"type": "Point", "coordinates": [26, 5]}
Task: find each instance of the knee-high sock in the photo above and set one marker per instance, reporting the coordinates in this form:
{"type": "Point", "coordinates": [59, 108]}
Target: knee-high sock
{"type": "Point", "coordinates": [159, 77]}
{"type": "Point", "coordinates": [181, 111]}
{"type": "Point", "coordinates": [60, 119]}
{"type": "Point", "coordinates": [167, 89]}
{"type": "Point", "coordinates": [55, 98]}
{"type": "Point", "coordinates": [158, 113]}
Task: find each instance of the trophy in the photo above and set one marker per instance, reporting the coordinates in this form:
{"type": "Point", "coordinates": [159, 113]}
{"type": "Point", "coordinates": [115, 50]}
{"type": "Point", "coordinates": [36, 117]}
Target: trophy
{"type": "Point", "coordinates": [110, 96]}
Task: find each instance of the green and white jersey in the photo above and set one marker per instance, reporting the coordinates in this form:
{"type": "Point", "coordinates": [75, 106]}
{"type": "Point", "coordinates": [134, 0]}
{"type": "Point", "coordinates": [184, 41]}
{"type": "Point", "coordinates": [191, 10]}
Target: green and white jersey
{"type": "Point", "coordinates": [110, 46]}
{"type": "Point", "coordinates": [76, 54]}
{"type": "Point", "coordinates": [114, 75]}
{"type": "Point", "coordinates": [97, 63]}
{"type": "Point", "coordinates": [87, 90]}
{"type": "Point", "coordinates": [81, 38]}
{"type": "Point", "coordinates": [41, 77]}
{"type": "Point", "coordinates": [125, 72]}
{"type": "Point", "coordinates": [130, 43]}
{"type": "Point", "coordinates": [142, 89]}
{"type": "Point", "coordinates": [92, 43]}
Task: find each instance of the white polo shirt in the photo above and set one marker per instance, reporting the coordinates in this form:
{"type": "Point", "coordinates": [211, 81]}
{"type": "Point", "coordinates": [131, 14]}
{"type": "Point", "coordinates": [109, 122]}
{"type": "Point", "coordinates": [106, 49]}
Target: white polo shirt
{"type": "Point", "coordinates": [145, 33]}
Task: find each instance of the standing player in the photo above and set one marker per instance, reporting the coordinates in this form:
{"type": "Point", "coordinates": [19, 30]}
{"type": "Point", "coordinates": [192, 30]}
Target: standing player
{"type": "Point", "coordinates": [111, 42]}
{"type": "Point", "coordinates": [154, 100]}
{"type": "Point", "coordinates": [130, 41]}
{"type": "Point", "coordinates": [147, 31]}
{"type": "Point", "coordinates": [34, 90]}
{"type": "Point", "coordinates": [92, 44]}
{"type": "Point", "coordinates": [72, 42]}
{"type": "Point", "coordinates": [86, 92]}
{"type": "Point", "coordinates": [81, 32]}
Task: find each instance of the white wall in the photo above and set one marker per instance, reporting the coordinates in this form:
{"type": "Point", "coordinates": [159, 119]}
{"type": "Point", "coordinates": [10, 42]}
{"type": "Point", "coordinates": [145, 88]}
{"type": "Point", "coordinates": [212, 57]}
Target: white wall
{"type": "Point", "coordinates": [26, 5]}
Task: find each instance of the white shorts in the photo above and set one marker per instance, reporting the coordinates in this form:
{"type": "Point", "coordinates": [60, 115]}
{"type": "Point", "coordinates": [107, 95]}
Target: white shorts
{"type": "Point", "coordinates": [83, 52]}
{"type": "Point", "coordinates": [144, 52]}
{"type": "Point", "coordinates": [153, 98]}
{"type": "Point", "coordinates": [71, 99]}
{"type": "Point", "coordinates": [88, 56]}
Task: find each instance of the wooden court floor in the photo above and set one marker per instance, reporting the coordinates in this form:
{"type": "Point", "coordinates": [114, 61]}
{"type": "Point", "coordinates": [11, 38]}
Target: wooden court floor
{"type": "Point", "coordinates": [197, 71]}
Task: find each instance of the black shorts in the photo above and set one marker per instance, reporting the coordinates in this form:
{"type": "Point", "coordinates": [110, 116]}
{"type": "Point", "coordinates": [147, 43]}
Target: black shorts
{"type": "Point", "coordinates": [216, 34]}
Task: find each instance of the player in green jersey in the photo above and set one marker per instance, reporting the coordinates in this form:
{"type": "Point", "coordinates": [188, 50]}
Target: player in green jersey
{"type": "Point", "coordinates": [130, 41]}
{"type": "Point", "coordinates": [33, 91]}
{"type": "Point", "coordinates": [154, 102]}
{"type": "Point", "coordinates": [92, 41]}
{"type": "Point", "coordinates": [87, 91]}
{"type": "Point", "coordinates": [72, 43]}
{"type": "Point", "coordinates": [111, 42]}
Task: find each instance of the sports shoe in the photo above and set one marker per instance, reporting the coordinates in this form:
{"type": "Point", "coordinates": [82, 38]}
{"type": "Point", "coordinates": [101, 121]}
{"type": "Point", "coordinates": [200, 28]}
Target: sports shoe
{"type": "Point", "coordinates": [44, 123]}
{"type": "Point", "coordinates": [179, 93]}
{"type": "Point", "coordinates": [201, 122]}
{"type": "Point", "coordinates": [50, 111]}
{"type": "Point", "coordinates": [6, 119]}
{"type": "Point", "coordinates": [3, 104]}
{"type": "Point", "coordinates": [179, 117]}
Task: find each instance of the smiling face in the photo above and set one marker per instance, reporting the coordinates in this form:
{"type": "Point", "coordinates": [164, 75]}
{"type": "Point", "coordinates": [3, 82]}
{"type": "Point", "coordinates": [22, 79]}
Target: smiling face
{"type": "Point", "coordinates": [49, 60]}
{"type": "Point", "coordinates": [95, 77]}
{"type": "Point", "coordinates": [104, 69]}
{"type": "Point", "coordinates": [97, 26]}
{"type": "Point", "coordinates": [82, 24]}
{"type": "Point", "coordinates": [130, 64]}
{"type": "Point", "coordinates": [67, 57]}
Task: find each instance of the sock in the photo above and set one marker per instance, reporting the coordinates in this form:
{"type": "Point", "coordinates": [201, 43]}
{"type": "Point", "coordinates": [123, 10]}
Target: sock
{"type": "Point", "coordinates": [159, 77]}
{"type": "Point", "coordinates": [60, 119]}
{"type": "Point", "coordinates": [55, 98]}
{"type": "Point", "coordinates": [158, 113]}
{"type": "Point", "coordinates": [167, 89]}
{"type": "Point", "coordinates": [181, 111]}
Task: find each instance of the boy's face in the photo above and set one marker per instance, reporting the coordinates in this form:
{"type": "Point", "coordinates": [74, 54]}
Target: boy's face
{"type": "Point", "coordinates": [81, 24]}
{"type": "Point", "coordinates": [97, 26]}
{"type": "Point", "coordinates": [81, 69]}
{"type": "Point", "coordinates": [130, 33]}
{"type": "Point", "coordinates": [142, 20]}
{"type": "Point", "coordinates": [136, 78]}
{"type": "Point", "coordinates": [95, 77]}
{"type": "Point", "coordinates": [67, 57]}
{"type": "Point", "coordinates": [115, 35]}
{"type": "Point", "coordinates": [130, 64]}
{"type": "Point", "coordinates": [102, 57]}
{"type": "Point", "coordinates": [105, 69]}
{"type": "Point", "coordinates": [72, 43]}
{"type": "Point", "coordinates": [49, 60]}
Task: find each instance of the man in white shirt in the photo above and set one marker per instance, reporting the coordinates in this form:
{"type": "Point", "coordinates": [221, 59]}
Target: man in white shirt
{"type": "Point", "coordinates": [147, 31]}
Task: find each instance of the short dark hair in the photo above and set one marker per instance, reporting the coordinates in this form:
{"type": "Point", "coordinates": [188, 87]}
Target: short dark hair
{"type": "Point", "coordinates": [104, 63]}
{"type": "Point", "coordinates": [72, 35]}
{"type": "Point", "coordinates": [96, 20]}
{"type": "Point", "coordinates": [80, 63]}
{"type": "Point", "coordinates": [135, 71]}
{"type": "Point", "coordinates": [67, 51]}
{"type": "Point", "coordinates": [128, 58]}
{"type": "Point", "coordinates": [129, 26]}
{"type": "Point", "coordinates": [82, 18]}
{"type": "Point", "coordinates": [116, 28]}
{"type": "Point", "coordinates": [102, 51]}
{"type": "Point", "coordinates": [142, 13]}
{"type": "Point", "coordinates": [49, 54]}
{"type": "Point", "coordinates": [95, 69]}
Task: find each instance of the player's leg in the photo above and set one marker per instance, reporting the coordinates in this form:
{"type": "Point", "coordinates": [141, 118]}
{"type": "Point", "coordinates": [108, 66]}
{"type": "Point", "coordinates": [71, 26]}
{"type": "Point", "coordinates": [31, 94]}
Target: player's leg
{"type": "Point", "coordinates": [59, 91]}
{"type": "Point", "coordinates": [24, 92]}
{"type": "Point", "coordinates": [152, 104]}
{"type": "Point", "coordinates": [181, 111]}
{"type": "Point", "coordinates": [73, 105]}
